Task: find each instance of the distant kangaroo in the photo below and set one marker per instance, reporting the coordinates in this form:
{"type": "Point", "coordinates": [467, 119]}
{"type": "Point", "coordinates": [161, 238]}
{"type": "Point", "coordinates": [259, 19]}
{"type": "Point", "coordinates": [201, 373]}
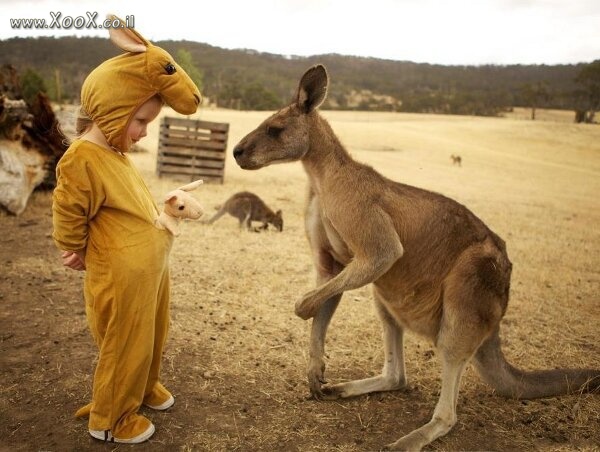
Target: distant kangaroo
{"type": "Point", "coordinates": [248, 207]}
{"type": "Point", "coordinates": [456, 159]}
{"type": "Point", "coordinates": [436, 268]}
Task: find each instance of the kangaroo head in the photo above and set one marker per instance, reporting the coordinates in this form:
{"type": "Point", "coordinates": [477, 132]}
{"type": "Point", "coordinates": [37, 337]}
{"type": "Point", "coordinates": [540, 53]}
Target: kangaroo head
{"type": "Point", "coordinates": [285, 136]}
{"type": "Point", "coordinates": [277, 221]}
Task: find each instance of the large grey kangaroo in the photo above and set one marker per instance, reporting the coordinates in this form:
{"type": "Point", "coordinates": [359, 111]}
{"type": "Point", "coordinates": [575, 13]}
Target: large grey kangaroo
{"type": "Point", "coordinates": [436, 268]}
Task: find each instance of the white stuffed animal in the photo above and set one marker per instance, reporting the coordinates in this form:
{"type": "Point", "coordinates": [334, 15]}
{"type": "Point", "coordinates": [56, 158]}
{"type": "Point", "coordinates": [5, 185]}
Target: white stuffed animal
{"type": "Point", "coordinates": [179, 204]}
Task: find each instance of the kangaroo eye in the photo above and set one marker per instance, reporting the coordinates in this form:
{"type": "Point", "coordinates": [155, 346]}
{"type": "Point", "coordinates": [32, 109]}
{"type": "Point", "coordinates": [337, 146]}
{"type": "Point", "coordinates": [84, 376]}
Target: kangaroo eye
{"type": "Point", "coordinates": [181, 207]}
{"type": "Point", "coordinates": [274, 131]}
{"type": "Point", "coordinates": [170, 68]}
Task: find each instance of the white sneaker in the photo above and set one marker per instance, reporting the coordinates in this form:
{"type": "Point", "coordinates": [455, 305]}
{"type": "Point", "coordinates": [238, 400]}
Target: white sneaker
{"type": "Point", "coordinates": [106, 436]}
{"type": "Point", "coordinates": [163, 406]}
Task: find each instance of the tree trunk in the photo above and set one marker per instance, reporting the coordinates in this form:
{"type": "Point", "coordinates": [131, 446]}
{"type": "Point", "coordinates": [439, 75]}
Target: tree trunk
{"type": "Point", "coordinates": [31, 143]}
{"type": "Point", "coordinates": [590, 117]}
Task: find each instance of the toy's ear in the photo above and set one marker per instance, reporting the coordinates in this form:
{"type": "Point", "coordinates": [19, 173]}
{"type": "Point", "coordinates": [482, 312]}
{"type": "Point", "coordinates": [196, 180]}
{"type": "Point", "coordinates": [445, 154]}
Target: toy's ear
{"type": "Point", "coordinates": [192, 186]}
{"type": "Point", "coordinates": [171, 198]}
{"type": "Point", "coordinates": [126, 38]}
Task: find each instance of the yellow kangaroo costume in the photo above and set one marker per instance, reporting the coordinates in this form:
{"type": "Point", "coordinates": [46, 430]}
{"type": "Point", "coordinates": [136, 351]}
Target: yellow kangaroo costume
{"type": "Point", "coordinates": [102, 205]}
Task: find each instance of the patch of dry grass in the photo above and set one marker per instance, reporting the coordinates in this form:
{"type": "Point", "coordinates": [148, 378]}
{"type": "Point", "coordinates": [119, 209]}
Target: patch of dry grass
{"type": "Point", "coordinates": [237, 355]}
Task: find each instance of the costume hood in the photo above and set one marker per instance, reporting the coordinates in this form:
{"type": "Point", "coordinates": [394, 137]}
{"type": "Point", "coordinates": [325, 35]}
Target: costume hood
{"type": "Point", "coordinates": [113, 91]}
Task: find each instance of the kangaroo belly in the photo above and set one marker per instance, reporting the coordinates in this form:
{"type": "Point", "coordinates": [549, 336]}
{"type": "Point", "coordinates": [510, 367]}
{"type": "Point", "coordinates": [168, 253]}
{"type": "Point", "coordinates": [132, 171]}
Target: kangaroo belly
{"type": "Point", "coordinates": [416, 306]}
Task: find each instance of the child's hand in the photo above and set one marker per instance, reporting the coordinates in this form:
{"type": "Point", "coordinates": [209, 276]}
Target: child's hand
{"type": "Point", "coordinates": [74, 260]}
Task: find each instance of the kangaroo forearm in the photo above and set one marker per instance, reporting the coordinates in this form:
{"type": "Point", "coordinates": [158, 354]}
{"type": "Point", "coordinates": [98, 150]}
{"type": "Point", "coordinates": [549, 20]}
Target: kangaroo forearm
{"type": "Point", "coordinates": [354, 275]}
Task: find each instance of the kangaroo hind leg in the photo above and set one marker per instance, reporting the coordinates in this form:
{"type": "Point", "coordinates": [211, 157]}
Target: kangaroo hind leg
{"type": "Point", "coordinates": [393, 375]}
{"type": "Point", "coordinates": [455, 355]}
{"type": "Point", "coordinates": [471, 312]}
{"type": "Point", "coordinates": [444, 415]}
{"type": "Point", "coordinates": [244, 214]}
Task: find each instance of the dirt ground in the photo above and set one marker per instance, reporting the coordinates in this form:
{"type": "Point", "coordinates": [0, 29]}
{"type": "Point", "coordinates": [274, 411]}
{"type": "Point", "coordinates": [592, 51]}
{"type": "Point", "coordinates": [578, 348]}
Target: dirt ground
{"type": "Point", "coordinates": [236, 355]}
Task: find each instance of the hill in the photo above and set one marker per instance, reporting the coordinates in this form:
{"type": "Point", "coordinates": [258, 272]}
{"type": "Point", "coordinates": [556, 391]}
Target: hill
{"type": "Point", "coordinates": [247, 79]}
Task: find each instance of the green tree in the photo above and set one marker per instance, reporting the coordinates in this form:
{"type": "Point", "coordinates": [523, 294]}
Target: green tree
{"type": "Point", "coordinates": [535, 94]}
{"type": "Point", "coordinates": [31, 84]}
{"type": "Point", "coordinates": [54, 86]}
{"type": "Point", "coordinates": [257, 97]}
{"type": "Point", "coordinates": [589, 81]}
{"type": "Point", "coordinates": [230, 94]}
{"type": "Point", "coordinates": [185, 60]}
{"type": "Point", "coordinates": [342, 101]}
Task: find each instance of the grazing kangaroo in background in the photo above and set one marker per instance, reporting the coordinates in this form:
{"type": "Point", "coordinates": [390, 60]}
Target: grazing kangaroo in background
{"type": "Point", "coordinates": [456, 160]}
{"type": "Point", "coordinates": [248, 207]}
{"type": "Point", "coordinates": [436, 268]}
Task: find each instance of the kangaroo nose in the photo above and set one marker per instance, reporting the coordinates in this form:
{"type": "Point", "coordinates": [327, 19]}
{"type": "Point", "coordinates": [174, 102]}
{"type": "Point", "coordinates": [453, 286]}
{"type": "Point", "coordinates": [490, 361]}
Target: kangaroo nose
{"type": "Point", "coordinates": [237, 151]}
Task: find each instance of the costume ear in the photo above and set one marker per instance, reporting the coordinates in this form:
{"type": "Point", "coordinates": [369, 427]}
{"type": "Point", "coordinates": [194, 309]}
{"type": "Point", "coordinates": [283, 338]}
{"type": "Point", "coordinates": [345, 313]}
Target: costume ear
{"type": "Point", "coordinates": [192, 186]}
{"type": "Point", "coordinates": [312, 89]}
{"type": "Point", "coordinates": [126, 38]}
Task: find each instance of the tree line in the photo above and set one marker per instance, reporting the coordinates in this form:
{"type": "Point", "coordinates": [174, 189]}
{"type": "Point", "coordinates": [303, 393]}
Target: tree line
{"type": "Point", "coordinates": [250, 80]}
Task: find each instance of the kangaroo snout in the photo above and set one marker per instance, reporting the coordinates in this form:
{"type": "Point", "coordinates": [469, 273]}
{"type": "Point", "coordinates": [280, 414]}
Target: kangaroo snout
{"type": "Point", "coordinates": [244, 157]}
{"type": "Point", "coordinates": [238, 151]}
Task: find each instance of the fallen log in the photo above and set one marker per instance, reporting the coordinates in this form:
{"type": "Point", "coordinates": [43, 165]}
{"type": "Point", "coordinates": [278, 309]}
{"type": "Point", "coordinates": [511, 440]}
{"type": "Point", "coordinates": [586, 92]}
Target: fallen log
{"type": "Point", "coordinates": [31, 143]}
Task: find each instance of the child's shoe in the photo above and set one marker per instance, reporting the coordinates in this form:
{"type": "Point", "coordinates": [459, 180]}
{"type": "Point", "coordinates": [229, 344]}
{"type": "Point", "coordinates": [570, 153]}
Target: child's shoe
{"type": "Point", "coordinates": [163, 406]}
{"type": "Point", "coordinates": [135, 430]}
{"type": "Point", "coordinates": [159, 399]}
{"type": "Point", "coordinates": [107, 436]}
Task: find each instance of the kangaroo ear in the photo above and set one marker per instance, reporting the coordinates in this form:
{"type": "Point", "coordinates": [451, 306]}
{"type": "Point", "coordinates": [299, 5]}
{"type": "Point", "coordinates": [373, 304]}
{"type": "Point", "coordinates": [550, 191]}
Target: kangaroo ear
{"type": "Point", "coordinates": [278, 213]}
{"type": "Point", "coordinates": [312, 89]}
{"type": "Point", "coordinates": [126, 38]}
{"type": "Point", "coordinates": [192, 186]}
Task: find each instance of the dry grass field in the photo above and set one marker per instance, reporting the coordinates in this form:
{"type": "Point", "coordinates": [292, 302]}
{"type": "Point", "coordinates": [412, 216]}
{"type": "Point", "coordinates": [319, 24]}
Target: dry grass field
{"type": "Point", "coordinates": [236, 355]}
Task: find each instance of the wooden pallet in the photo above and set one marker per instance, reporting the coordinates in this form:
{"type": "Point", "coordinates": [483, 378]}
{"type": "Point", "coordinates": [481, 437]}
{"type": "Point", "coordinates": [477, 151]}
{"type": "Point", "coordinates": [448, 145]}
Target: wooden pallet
{"type": "Point", "coordinates": [192, 148]}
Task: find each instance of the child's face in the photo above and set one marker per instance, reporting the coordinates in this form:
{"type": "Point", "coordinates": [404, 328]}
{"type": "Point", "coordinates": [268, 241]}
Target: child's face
{"type": "Point", "coordinates": [141, 118]}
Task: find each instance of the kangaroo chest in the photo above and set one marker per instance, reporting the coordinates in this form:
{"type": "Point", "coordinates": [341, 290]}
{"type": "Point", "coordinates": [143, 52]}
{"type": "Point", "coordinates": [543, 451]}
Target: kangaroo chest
{"type": "Point", "coordinates": [339, 250]}
{"type": "Point", "coordinates": [324, 234]}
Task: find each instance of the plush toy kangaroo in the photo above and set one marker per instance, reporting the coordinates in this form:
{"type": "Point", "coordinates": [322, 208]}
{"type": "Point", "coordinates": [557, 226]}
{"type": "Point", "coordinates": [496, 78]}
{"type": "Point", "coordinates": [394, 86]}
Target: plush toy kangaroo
{"type": "Point", "coordinates": [179, 204]}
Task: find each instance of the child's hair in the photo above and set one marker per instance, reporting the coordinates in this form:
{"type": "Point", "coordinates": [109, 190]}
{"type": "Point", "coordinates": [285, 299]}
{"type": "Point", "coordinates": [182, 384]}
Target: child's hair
{"type": "Point", "coordinates": [83, 123]}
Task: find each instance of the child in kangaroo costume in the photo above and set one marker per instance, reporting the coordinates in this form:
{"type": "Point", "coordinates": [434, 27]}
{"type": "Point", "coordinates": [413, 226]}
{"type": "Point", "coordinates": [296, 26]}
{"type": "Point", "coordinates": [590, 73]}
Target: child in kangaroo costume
{"type": "Point", "coordinates": [105, 221]}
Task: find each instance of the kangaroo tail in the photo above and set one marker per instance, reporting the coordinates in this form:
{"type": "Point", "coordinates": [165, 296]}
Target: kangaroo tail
{"type": "Point", "coordinates": [215, 217]}
{"type": "Point", "coordinates": [508, 381]}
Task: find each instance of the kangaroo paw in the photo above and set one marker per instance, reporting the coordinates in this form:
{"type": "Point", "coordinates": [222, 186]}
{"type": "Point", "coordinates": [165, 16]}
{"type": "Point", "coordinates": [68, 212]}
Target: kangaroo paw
{"type": "Point", "coordinates": [308, 305]}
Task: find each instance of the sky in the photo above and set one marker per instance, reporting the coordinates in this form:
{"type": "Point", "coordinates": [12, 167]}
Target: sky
{"type": "Point", "coordinates": [447, 32]}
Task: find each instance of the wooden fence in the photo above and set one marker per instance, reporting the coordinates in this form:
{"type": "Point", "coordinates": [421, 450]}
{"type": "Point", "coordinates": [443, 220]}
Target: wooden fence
{"type": "Point", "coordinates": [192, 148]}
